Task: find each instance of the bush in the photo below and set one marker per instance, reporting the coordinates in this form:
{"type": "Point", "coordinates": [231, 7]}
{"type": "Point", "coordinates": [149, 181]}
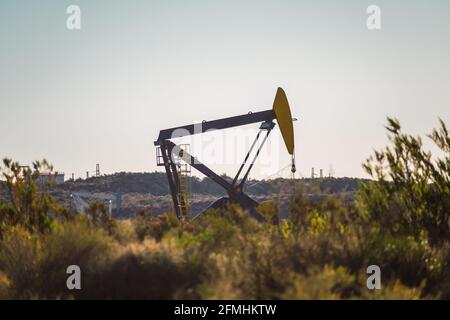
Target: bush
{"type": "Point", "coordinates": [412, 192]}
{"type": "Point", "coordinates": [28, 207]}
{"type": "Point", "coordinates": [145, 271]}
{"type": "Point", "coordinates": [399, 222]}
{"type": "Point", "coordinates": [36, 264]}
{"type": "Point", "coordinates": [147, 225]}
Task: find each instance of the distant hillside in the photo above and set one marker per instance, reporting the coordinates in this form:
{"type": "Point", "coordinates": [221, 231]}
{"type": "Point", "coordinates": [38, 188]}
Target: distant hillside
{"type": "Point", "coordinates": [155, 183]}
{"type": "Point", "coordinates": [149, 191]}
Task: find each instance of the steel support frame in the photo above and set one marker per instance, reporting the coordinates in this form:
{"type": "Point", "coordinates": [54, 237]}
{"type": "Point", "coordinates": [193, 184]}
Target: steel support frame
{"type": "Point", "coordinates": [235, 193]}
{"type": "Point", "coordinates": [268, 126]}
{"type": "Point", "coordinates": [172, 178]}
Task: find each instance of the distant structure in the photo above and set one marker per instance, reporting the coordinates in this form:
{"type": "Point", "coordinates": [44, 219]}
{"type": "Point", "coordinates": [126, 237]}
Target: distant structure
{"type": "Point", "coordinates": [94, 174]}
{"type": "Point", "coordinates": [331, 171]}
{"type": "Point", "coordinates": [54, 178]}
{"type": "Point", "coordinates": [82, 200]}
{"type": "Point", "coordinates": [314, 175]}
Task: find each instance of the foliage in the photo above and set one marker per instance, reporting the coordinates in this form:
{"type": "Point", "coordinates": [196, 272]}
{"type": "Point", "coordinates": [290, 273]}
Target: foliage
{"type": "Point", "coordinates": [36, 263]}
{"type": "Point", "coordinates": [411, 194]}
{"type": "Point", "coordinates": [149, 225]}
{"type": "Point", "coordinates": [398, 222]}
{"type": "Point", "coordinates": [28, 206]}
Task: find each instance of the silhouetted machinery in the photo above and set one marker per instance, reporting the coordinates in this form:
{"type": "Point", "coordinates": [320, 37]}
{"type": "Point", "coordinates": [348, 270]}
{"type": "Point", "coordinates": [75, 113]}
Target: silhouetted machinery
{"type": "Point", "coordinates": [170, 155]}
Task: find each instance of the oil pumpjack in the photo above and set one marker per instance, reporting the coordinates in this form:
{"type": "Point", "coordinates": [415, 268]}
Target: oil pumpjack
{"type": "Point", "coordinates": [168, 151]}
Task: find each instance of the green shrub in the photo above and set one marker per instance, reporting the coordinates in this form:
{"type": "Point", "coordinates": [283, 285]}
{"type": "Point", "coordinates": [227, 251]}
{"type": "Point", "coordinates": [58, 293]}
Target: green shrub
{"type": "Point", "coordinates": [5, 284]}
{"type": "Point", "coordinates": [399, 222]}
{"type": "Point", "coordinates": [147, 225]}
{"type": "Point", "coordinates": [36, 264]}
{"type": "Point", "coordinates": [325, 283]}
{"type": "Point", "coordinates": [28, 207]}
{"type": "Point", "coordinates": [412, 192]}
{"type": "Point", "coordinates": [20, 258]}
{"type": "Point", "coordinates": [145, 275]}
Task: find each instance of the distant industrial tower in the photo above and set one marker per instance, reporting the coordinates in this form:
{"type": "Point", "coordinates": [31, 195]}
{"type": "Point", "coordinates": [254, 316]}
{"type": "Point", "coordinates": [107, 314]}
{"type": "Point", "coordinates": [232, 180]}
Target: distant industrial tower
{"type": "Point", "coordinates": [314, 175]}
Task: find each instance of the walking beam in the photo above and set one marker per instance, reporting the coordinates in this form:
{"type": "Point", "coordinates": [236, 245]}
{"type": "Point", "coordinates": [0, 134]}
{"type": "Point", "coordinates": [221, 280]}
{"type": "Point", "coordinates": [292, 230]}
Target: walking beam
{"type": "Point", "coordinates": [224, 123]}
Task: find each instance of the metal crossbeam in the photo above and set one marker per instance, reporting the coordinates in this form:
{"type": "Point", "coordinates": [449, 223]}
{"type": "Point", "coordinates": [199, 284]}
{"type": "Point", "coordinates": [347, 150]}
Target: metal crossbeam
{"type": "Point", "coordinates": [224, 123]}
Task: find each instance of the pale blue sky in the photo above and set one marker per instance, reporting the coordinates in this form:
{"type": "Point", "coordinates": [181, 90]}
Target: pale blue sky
{"type": "Point", "coordinates": [101, 94]}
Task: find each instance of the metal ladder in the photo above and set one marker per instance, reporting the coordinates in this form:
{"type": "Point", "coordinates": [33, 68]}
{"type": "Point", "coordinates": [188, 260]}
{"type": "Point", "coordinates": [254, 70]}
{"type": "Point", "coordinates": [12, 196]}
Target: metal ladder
{"type": "Point", "coordinates": [184, 181]}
